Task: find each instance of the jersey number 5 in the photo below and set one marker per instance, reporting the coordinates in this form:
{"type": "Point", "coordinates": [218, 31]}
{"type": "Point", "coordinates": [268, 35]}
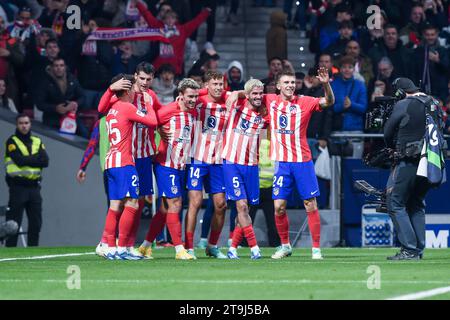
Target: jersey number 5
{"type": "Point", "coordinates": [114, 133]}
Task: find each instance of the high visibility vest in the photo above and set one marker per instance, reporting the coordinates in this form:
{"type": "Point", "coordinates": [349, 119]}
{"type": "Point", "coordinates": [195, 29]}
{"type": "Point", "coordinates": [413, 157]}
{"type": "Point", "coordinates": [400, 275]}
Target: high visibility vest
{"type": "Point", "coordinates": [13, 170]}
{"type": "Point", "coordinates": [266, 166]}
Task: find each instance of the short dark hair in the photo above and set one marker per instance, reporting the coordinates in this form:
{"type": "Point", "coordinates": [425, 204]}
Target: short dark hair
{"type": "Point", "coordinates": [166, 68]}
{"type": "Point", "coordinates": [299, 75]}
{"type": "Point", "coordinates": [390, 26]}
{"type": "Point", "coordinates": [274, 58]}
{"type": "Point", "coordinates": [58, 58]}
{"type": "Point", "coordinates": [116, 78]}
{"type": "Point", "coordinates": [22, 115]}
{"type": "Point", "coordinates": [347, 60]}
{"type": "Point", "coordinates": [145, 67]}
{"type": "Point", "coordinates": [51, 40]}
{"type": "Point", "coordinates": [429, 26]}
{"type": "Point", "coordinates": [284, 72]}
{"type": "Point", "coordinates": [346, 24]}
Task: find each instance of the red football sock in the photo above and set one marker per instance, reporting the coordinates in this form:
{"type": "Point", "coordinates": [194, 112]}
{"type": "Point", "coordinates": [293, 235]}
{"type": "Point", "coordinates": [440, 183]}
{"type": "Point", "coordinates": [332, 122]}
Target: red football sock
{"type": "Point", "coordinates": [104, 237]}
{"type": "Point", "coordinates": [249, 234]}
{"type": "Point", "coordinates": [156, 226]}
{"type": "Point", "coordinates": [231, 234]}
{"type": "Point", "coordinates": [174, 226]}
{"type": "Point", "coordinates": [112, 220]}
{"type": "Point", "coordinates": [126, 225]}
{"type": "Point", "coordinates": [282, 223]}
{"type": "Point", "coordinates": [238, 234]}
{"type": "Point", "coordinates": [189, 243]}
{"type": "Point", "coordinates": [214, 237]}
{"type": "Point", "coordinates": [137, 218]}
{"type": "Point", "coordinates": [314, 227]}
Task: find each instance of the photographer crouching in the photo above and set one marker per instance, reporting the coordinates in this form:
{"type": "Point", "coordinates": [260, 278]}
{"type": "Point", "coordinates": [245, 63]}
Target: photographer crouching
{"type": "Point", "coordinates": [405, 190]}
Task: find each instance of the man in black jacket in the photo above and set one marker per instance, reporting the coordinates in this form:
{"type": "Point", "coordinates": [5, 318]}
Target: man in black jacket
{"type": "Point", "coordinates": [59, 93]}
{"type": "Point", "coordinates": [405, 191]}
{"type": "Point", "coordinates": [24, 159]}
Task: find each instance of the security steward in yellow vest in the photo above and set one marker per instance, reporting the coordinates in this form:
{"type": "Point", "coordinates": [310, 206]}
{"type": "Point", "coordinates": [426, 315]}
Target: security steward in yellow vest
{"type": "Point", "coordinates": [266, 171]}
{"type": "Point", "coordinates": [25, 156]}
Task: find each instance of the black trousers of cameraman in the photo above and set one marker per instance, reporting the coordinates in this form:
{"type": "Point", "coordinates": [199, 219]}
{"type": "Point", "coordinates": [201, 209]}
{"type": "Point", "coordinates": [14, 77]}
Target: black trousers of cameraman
{"type": "Point", "coordinates": [28, 198]}
{"type": "Point", "coordinates": [405, 199]}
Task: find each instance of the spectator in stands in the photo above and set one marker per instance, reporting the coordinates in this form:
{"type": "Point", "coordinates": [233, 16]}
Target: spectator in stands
{"type": "Point", "coordinates": [59, 93]}
{"type": "Point", "coordinates": [276, 36]}
{"type": "Point", "coordinates": [55, 16]}
{"type": "Point", "coordinates": [431, 62]}
{"type": "Point", "coordinates": [209, 60]}
{"type": "Point", "coordinates": [330, 32]}
{"type": "Point", "coordinates": [196, 7]}
{"type": "Point", "coordinates": [411, 34]}
{"type": "Point", "coordinates": [164, 84]}
{"type": "Point", "coordinates": [435, 13]}
{"type": "Point", "coordinates": [392, 48]}
{"type": "Point", "coordinates": [96, 57]}
{"type": "Point", "coordinates": [270, 87]}
{"type": "Point", "coordinates": [325, 61]}
{"type": "Point", "coordinates": [173, 52]}
{"type": "Point", "coordinates": [337, 48]}
{"type": "Point", "coordinates": [382, 85]}
{"type": "Point", "coordinates": [235, 76]}
{"type": "Point", "coordinates": [89, 9]}
{"type": "Point", "coordinates": [197, 76]}
{"type": "Point", "coordinates": [124, 61]}
{"type": "Point", "coordinates": [5, 101]}
{"type": "Point", "coordinates": [24, 26]}
{"type": "Point", "coordinates": [351, 98]}
{"type": "Point", "coordinates": [373, 37]}
{"type": "Point", "coordinates": [300, 88]}
{"type": "Point", "coordinates": [363, 66]}
{"type": "Point", "coordinates": [11, 57]}
{"type": "Point", "coordinates": [275, 67]}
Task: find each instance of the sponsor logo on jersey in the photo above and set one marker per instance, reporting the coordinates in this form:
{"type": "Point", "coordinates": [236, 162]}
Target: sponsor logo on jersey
{"type": "Point", "coordinates": [283, 121]}
{"type": "Point", "coordinates": [140, 113]}
{"type": "Point", "coordinates": [245, 124]}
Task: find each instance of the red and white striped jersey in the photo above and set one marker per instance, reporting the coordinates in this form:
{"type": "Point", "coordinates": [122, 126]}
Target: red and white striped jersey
{"type": "Point", "coordinates": [241, 144]}
{"type": "Point", "coordinates": [288, 125]}
{"type": "Point", "coordinates": [180, 126]}
{"type": "Point", "coordinates": [143, 144]}
{"type": "Point", "coordinates": [209, 130]}
{"type": "Point", "coordinates": [120, 122]}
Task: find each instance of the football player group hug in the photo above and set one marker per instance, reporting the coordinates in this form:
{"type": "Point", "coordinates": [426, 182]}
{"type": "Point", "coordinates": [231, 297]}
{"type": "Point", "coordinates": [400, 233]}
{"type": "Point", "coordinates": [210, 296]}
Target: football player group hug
{"type": "Point", "coordinates": [209, 140]}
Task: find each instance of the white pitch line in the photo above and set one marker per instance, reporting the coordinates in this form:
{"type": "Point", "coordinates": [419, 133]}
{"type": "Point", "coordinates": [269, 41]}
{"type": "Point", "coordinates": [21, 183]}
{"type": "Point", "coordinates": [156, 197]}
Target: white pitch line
{"type": "Point", "coordinates": [209, 282]}
{"type": "Point", "coordinates": [48, 256]}
{"type": "Point", "coordinates": [422, 294]}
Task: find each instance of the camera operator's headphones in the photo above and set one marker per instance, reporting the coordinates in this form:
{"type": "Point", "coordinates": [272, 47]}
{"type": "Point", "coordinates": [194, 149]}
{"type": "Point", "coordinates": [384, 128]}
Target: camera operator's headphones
{"type": "Point", "coordinates": [399, 93]}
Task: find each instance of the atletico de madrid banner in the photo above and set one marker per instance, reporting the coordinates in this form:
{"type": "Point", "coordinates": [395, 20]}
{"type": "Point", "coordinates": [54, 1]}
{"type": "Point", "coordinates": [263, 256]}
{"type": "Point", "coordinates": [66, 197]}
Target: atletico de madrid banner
{"type": "Point", "coordinates": [119, 34]}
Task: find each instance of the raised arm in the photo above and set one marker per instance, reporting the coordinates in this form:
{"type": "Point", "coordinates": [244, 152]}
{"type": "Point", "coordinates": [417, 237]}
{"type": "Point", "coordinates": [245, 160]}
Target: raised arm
{"type": "Point", "coordinates": [148, 16]}
{"type": "Point", "coordinates": [108, 98]}
{"type": "Point", "coordinates": [324, 78]}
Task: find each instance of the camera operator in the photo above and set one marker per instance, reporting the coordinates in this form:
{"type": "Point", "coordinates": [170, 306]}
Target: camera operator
{"type": "Point", "coordinates": [405, 191]}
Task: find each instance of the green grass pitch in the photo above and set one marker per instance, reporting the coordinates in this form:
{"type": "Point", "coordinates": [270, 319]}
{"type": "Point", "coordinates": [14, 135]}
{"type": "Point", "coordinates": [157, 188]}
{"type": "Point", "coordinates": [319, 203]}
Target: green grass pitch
{"type": "Point", "coordinates": [343, 274]}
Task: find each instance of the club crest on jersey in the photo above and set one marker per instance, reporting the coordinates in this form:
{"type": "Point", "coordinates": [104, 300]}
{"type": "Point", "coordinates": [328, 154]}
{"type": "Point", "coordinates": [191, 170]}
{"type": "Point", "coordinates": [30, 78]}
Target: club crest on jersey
{"type": "Point", "coordinates": [137, 190]}
{"type": "Point", "coordinates": [293, 109]}
{"type": "Point", "coordinates": [283, 121]}
{"type": "Point", "coordinates": [174, 189]}
{"type": "Point", "coordinates": [245, 124]}
{"type": "Point", "coordinates": [258, 120]}
{"type": "Point", "coordinates": [194, 182]}
{"type": "Point", "coordinates": [276, 191]}
{"type": "Point", "coordinates": [237, 192]}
